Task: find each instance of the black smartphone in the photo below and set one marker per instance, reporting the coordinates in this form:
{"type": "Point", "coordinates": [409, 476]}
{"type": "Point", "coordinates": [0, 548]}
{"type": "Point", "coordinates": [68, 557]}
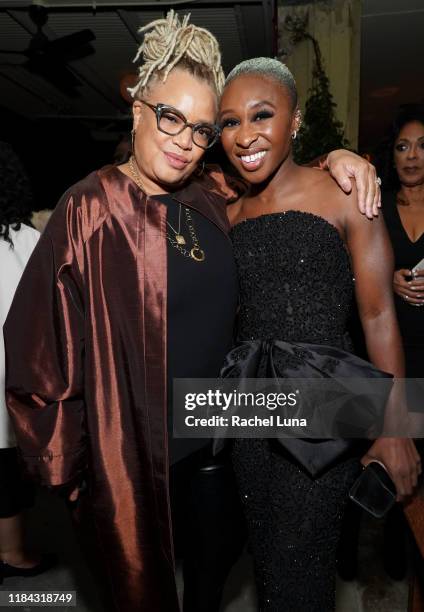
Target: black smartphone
{"type": "Point", "coordinates": [374, 490]}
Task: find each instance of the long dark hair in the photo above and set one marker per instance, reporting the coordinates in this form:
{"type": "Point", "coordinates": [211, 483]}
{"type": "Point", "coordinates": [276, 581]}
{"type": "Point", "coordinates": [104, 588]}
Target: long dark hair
{"type": "Point", "coordinates": [15, 192]}
{"type": "Point", "coordinates": [384, 153]}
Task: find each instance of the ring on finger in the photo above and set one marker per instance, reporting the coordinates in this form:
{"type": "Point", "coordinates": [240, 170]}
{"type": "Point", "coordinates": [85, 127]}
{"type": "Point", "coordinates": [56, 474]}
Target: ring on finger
{"type": "Point", "coordinates": [378, 181]}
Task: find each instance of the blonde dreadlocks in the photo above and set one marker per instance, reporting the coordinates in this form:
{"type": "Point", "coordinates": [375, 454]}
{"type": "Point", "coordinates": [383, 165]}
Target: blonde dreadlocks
{"type": "Point", "coordinates": [171, 42]}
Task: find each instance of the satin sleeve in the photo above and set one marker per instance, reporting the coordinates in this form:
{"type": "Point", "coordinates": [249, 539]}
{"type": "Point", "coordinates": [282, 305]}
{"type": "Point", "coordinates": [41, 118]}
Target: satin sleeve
{"type": "Point", "coordinates": [44, 342]}
{"type": "Point", "coordinates": [230, 187]}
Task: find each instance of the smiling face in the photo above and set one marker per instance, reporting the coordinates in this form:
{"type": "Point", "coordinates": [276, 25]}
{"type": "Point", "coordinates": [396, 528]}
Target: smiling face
{"type": "Point", "coordinates": [257, 120]}
{"type": "Point", "coordinates": [166, 161]}
{"type": "Point", "coordinates": [409, 154]}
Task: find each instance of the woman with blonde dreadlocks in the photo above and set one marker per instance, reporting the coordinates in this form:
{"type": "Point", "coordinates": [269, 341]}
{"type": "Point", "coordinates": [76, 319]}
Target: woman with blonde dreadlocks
{"type": "Point", "coordinates": [136, 284]}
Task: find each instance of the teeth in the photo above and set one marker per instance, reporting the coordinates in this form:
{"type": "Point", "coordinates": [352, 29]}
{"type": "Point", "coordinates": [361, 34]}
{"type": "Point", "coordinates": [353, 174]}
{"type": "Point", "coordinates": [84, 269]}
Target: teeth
{"type": "Point", "coordinates": [252, 158]}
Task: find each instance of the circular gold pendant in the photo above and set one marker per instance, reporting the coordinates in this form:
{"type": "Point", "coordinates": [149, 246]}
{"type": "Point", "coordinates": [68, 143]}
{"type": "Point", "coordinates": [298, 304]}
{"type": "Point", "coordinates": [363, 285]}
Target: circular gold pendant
{"type": "Point", "coordinates": [197, 254]}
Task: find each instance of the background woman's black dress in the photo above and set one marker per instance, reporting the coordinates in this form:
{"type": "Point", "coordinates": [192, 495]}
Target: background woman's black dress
{"type": "Point", "coordinates": [411, 318]}
{"type": "Point", "coordinates": [295, 285]}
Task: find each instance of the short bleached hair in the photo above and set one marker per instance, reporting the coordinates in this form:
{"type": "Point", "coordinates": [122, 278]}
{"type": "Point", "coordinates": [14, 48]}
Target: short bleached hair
{"type": "Point", "coordinates": [270, 68]}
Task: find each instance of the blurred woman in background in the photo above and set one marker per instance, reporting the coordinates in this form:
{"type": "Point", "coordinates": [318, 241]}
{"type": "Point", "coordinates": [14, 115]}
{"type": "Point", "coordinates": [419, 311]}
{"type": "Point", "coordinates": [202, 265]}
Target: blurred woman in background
{"type": "Point", "coordinates": [403, 208]}
{"type": "Point", "coordinates": [17, 240]}
{"type": "Point", "coordinates": [401, 163]}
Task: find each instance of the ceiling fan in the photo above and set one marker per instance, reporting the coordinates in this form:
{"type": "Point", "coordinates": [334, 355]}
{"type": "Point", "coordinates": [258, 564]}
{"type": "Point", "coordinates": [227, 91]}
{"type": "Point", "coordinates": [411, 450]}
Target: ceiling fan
{"type": "Point", "coordinates": [49, 58]}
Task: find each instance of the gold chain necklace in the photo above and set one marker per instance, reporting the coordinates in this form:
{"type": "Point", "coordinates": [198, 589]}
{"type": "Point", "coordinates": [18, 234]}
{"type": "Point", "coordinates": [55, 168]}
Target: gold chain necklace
{"type": "Point", "coordinates": [135, 172]}
{"type": "Point", "coordinates": [196, 253]}
{"type": "Point", "coordinates": [178, 235]}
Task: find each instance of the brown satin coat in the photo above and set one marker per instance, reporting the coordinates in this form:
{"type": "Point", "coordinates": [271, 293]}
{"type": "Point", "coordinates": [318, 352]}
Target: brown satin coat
{"type": "Point", "coordinates": [86, 369]}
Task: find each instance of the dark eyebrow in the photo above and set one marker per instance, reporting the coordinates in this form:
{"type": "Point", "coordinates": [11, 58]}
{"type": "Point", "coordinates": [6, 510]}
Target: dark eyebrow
{"type": "Point", "coordinates": [407, 139]}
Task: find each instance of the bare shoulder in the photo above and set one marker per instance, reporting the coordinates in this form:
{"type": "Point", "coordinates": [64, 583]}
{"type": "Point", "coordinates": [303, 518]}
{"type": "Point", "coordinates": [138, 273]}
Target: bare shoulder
{"type": "Point", "coordinates": [330, 201]}
{"type": "Point", "coordinates": [322, 181]}
{"type": "Point", "coordinates": [341, 204]}
{"type": "Point", "coordinates": [317, 182]}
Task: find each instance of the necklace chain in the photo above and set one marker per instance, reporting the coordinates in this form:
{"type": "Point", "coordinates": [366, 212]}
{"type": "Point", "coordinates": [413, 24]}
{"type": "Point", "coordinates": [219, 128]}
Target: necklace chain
{"type": "Point", "coordinates": [196, 253]}
{"type": "Point", "coordinates": [135, 173]}
{"type": "Point", "coordinates": [178, 236]}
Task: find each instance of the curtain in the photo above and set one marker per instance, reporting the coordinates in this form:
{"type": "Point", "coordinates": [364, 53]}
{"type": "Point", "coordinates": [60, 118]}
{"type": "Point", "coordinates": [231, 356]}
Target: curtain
{"type": "Point", "coordinates": [336, 24]}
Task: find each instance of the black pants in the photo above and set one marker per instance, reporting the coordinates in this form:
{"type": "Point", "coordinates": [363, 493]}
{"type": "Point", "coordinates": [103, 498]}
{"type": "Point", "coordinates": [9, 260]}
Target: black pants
{"type": "Point", "coordinates": [16, 491]}
{"type": "Point", "coordinates": [208, 525]}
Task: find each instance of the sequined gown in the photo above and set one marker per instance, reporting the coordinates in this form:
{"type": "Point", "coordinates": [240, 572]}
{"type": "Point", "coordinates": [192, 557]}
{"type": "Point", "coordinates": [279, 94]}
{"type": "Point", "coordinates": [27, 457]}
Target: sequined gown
{"type": "Point", "coordinates": [295, 285]}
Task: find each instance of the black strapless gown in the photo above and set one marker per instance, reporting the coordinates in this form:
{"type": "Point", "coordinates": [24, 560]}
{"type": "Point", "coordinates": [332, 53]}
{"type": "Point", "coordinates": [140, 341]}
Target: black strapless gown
{"type": "Point", "coordinates": [296, 285]}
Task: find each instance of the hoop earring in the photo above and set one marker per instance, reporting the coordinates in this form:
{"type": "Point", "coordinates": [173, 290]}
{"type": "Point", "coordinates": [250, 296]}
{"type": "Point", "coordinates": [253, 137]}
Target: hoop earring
{"type": "Point", "coordinates": [200, 169]}
{"type": "Point", "coordinates": [294, 135]}
{"type": "Point", "coordinates": [132, 140]}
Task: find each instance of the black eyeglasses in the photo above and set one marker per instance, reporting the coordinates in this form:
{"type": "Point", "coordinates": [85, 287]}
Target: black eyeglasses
{"type": "Point", "coordinates": [170, 121]}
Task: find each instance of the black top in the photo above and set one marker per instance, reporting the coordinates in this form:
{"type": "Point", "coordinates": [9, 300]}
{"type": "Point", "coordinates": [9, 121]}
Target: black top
{"type": "Point", "coordinates": [407, 255]}
{"type": "Point", "coordinates": [202, 302]}
{"type": "Point", "coordinates": [295, 279]}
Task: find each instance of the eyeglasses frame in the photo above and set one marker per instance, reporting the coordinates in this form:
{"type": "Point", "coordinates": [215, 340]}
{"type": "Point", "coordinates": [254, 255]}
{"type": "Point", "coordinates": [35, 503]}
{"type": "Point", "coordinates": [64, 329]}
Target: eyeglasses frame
{"type": "Point", "coordinates": [158, 109]}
